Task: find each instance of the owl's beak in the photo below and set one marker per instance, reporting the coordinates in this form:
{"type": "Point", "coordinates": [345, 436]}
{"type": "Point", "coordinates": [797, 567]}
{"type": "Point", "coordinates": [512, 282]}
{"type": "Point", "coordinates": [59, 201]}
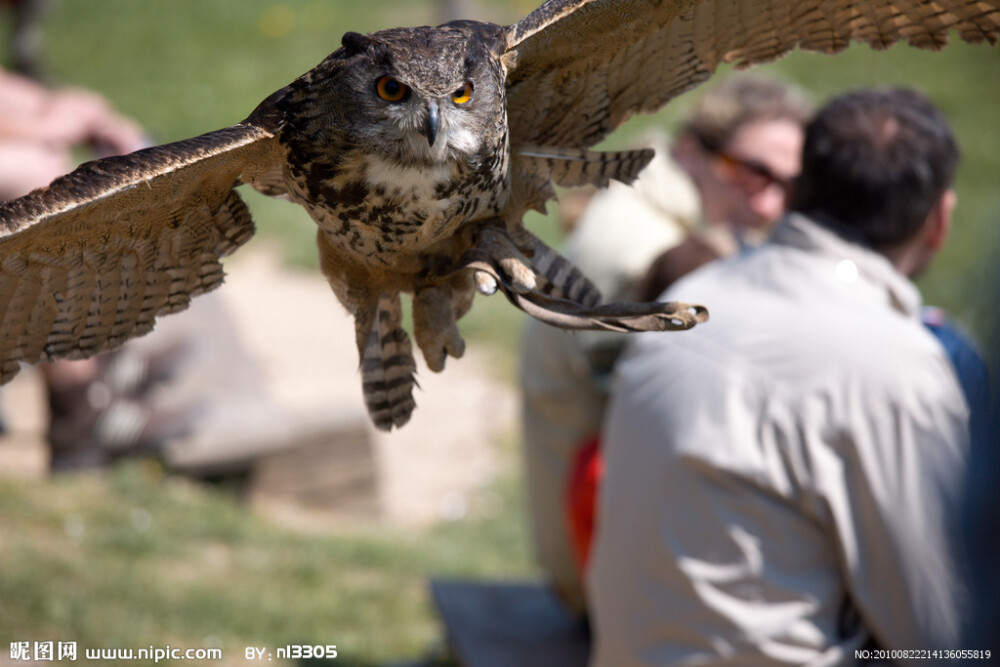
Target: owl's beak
{"type": "Point", "coordinates": [433, 122]}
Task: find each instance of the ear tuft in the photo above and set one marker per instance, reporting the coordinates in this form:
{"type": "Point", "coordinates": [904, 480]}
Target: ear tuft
{"type": "Point", "coordinates": [355, 42]}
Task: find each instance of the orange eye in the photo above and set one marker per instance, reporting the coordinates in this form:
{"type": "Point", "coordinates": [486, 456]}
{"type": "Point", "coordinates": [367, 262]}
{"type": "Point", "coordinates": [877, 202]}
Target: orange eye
{"type": "Point", "coordinates": [391, 90]}
{"type": "Point", "coordinates": [462, 95]}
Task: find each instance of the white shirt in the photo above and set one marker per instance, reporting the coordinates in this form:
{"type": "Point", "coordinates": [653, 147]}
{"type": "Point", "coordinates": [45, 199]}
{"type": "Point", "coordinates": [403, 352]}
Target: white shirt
{"type": "Point", "coordinates": [779, 481]}
{"type": "Point", "coordinates": [625, 227]}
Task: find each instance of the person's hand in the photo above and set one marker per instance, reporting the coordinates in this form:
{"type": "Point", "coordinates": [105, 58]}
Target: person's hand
{"type": "Point", "coordinates": [40, 128]}
{"type": "Point", "coordinates": [74, 116]}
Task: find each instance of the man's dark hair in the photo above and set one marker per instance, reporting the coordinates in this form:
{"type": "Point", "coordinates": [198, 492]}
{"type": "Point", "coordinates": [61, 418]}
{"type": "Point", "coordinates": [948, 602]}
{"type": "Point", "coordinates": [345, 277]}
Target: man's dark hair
{"type": "Point", "coordinates": [874, 164]}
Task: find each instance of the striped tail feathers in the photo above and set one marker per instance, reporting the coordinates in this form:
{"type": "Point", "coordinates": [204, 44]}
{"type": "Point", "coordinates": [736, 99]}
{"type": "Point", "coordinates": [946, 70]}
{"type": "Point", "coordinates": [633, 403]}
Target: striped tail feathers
{"type": "Point", "coordinates": [573, 167]}
{"type": "Point", "coordinates": [387, 364]}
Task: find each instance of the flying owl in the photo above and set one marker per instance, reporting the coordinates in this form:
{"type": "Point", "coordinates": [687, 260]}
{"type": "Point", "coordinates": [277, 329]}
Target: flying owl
{"type": "Point", "coordinates": [416, 151]}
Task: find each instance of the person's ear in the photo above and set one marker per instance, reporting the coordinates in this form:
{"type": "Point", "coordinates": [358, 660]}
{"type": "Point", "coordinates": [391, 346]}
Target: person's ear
{"type": "Point", "coordinates": [939, 220]}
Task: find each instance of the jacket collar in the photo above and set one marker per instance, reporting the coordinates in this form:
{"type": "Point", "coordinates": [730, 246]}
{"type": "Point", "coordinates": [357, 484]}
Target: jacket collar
{"type": "Point", "coordinates": [852, 261]}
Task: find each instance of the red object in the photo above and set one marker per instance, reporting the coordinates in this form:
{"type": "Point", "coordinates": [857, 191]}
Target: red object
{"type": "Point", "coordinates": [581, 498]}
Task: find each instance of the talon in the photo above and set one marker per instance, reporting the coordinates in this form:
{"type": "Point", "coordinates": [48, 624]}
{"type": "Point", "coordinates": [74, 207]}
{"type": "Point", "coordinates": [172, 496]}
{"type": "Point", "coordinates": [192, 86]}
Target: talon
{"type": "Point", "coordinates": [434, 325]}
{"type": "Point", "coordinates": [522, 277]}
{"type": "Point", "coordinates": [435, 358]}
{"type": "Point", "coordinates": [514, 266]}
{"type": "Point", "coordinates": [437, 355]}
{"type": "Point", "coordinates": [454, 343]}
{"type": "Point", "coordinates": [485, 283]}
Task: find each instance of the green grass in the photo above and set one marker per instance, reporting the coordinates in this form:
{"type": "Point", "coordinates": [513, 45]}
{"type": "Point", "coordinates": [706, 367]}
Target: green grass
{"type": "Point", "coordinates": [132, 558]}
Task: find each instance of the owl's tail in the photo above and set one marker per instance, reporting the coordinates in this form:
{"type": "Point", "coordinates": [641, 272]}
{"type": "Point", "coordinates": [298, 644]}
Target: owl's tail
{"type": "Point", "coordinates": [387, 366]}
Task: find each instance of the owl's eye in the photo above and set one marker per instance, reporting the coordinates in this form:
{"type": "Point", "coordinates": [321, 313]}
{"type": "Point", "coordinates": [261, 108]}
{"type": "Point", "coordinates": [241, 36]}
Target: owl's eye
{"type": "Point", "coordinates": [391, 90]}
{"type": "Point", "coordinates": [463, 94]}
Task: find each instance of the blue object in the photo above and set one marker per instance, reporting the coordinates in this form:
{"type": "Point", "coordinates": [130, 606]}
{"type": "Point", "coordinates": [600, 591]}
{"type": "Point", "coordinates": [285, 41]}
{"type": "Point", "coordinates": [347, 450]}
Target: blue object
{"type": "Point", "coordinates": [968, 363]}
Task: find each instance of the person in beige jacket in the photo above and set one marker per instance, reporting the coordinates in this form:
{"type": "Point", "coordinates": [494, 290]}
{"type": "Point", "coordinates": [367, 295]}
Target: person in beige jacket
{"type": "Point", "coordinates": [779, 482]}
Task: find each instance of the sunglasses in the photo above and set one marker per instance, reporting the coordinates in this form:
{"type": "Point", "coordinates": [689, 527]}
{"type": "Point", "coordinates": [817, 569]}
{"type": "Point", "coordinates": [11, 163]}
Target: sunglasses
{"type": "Point", "coordinates": [751, 176]}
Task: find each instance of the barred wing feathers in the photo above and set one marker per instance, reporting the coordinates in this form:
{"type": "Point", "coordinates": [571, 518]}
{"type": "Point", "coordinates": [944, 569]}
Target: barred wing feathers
{"type": "Point", "coordinates": [577, 69]}
{"type": "Point", "coordinates": [92, 259]}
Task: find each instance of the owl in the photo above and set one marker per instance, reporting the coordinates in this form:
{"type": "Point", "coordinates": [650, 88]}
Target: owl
{"type": "Point", "coordinates": [416, 151]}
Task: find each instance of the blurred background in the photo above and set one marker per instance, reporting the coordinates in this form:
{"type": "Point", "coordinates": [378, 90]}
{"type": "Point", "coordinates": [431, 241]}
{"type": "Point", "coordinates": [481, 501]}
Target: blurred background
{"type": "Point", "coordinates": [134, 557]}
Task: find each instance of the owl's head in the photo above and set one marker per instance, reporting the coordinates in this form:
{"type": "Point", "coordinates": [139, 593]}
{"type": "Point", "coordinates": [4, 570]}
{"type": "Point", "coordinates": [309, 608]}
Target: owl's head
{"type": "Point", "coordinates": [436, 94]}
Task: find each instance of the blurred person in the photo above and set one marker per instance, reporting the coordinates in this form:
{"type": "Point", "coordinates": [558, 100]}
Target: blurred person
{"type": "Point", "coordinates": [980, 517]}
{"type": "Point", "coordinates": [973, 375]}
{"type": "Point", "coordinates": [723, 179]}
{"type": "Point", "coordinates": [981, 504]}
{"type": "Point", "coordinates": [40, 127]}
{"type": "Point", "coordinates": [780, 483]}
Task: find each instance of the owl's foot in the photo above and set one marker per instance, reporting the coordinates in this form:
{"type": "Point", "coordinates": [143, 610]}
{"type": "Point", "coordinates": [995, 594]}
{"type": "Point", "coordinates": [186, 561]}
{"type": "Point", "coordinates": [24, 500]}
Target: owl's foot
{"type": "Point", "coordinates": [435, 311]}
{"type": "Point", "coordinates": [517, 269]}
{"type": "Point", "coordinates": [529, 265]}
{"type": "Point", "coordinates": [568, 314]}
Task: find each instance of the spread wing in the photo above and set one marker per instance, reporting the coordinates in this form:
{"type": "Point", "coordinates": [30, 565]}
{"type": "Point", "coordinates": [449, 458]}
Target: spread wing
{"type": "Point", "coordinates": [91, 260]}
{"type": "Point", "coordinates": [579, 68]}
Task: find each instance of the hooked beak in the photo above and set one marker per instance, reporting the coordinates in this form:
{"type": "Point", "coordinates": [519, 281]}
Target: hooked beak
{"type": "Point", "coordinates": [433, 122]}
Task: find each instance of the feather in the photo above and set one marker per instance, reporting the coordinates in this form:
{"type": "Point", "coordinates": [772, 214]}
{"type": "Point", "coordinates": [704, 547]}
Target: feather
{"type": "Point", "coordinates": [577, 69]}
{"type": "Point", "coordinates": [561, 277]}
{"type": "Point", "coordinates": [387, 367]}
{"type": "Point", "coordinates": [90, 261]}
{"type": "Point", "coordinates": [571, 167]}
